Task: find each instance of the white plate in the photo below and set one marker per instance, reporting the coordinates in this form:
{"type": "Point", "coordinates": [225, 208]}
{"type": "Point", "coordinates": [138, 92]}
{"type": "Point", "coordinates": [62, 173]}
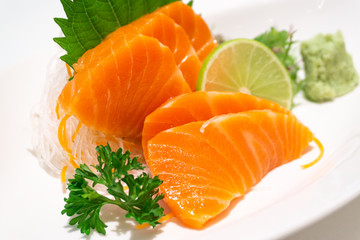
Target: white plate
{"type": "Point", "coordinates": [288, 199]}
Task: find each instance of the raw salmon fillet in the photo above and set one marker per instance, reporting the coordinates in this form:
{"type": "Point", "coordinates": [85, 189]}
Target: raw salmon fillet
{"type": "Point", "coordinates": [201, 106]}
{"type": "Point", "coordinates": [206, 164]}
{"type": "Point", "coordinates": [159, 26]}
{"type": "Point", "coordinates": [135, 69]}
{"type": "Point", "coordinates": [194, 25]}
{"type": "Point", "coordinates": [115, 95]}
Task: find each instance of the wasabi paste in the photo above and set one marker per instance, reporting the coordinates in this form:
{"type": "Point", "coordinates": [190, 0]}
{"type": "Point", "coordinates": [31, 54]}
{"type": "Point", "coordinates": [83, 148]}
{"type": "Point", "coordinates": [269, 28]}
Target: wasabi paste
{"type": "Point", "coordinates": [329, 68]}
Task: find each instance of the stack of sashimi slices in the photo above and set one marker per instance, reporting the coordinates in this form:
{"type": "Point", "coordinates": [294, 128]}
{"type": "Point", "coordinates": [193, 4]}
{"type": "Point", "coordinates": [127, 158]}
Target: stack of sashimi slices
{"type": "Point", "coordinates": [207, 147]}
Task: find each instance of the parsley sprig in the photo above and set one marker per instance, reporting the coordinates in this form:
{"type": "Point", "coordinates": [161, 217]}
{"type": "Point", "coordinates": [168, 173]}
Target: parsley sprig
{"type": "Point", "coordinates": [85, 203]}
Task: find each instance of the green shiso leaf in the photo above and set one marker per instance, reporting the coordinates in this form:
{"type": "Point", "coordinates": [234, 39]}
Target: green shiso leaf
{"type": "Point", "coordinates": [90, 21]}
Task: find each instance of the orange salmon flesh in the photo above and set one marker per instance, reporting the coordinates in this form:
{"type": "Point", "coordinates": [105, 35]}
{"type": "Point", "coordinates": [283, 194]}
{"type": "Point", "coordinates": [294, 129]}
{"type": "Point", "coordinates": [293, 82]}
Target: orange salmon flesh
{"type": "Point", "coordinates": [206, 164]}
{"type": "Point", "coordinates": [136, 69]}
{"type": "Point", "coordinates": [201, 106]}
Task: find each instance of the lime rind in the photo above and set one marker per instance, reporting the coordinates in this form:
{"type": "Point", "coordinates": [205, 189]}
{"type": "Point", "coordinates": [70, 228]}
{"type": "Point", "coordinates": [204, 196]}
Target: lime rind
{"type": "Point", "coordinates": [249, 66]}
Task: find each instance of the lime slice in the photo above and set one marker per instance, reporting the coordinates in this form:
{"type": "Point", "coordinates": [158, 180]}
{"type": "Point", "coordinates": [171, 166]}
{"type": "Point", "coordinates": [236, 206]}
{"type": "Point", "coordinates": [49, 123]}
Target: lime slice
{"type": "Point", "coordinates": [244, 65]}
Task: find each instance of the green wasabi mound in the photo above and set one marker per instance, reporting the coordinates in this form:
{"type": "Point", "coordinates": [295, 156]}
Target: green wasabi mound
{"type": "Point", "coordinates": [329, 68]}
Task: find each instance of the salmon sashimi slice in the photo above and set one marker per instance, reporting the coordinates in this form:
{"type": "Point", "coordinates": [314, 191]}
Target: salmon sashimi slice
{"type": "Point", "coordinates": [116, 95]}
{"type": "Point", "coordinates": [201, 106]}
{"type": "Point", "coordinates": [196, 28]}
{"type": "Point", "coordinates": [169, 33]}
{"type": "Point", "coordinates": [206, 164]}
{"type": "Point", "coordinates": [159, 26]}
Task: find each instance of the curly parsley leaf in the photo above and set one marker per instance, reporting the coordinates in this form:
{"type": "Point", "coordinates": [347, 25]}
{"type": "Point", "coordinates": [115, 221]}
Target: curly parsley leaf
{"type": "Point", "coordinates": [281, 42]}
{"type": "Point", "coordinates": [90, 21]}
{"type": "Point", "coordinates": [85, 203]}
